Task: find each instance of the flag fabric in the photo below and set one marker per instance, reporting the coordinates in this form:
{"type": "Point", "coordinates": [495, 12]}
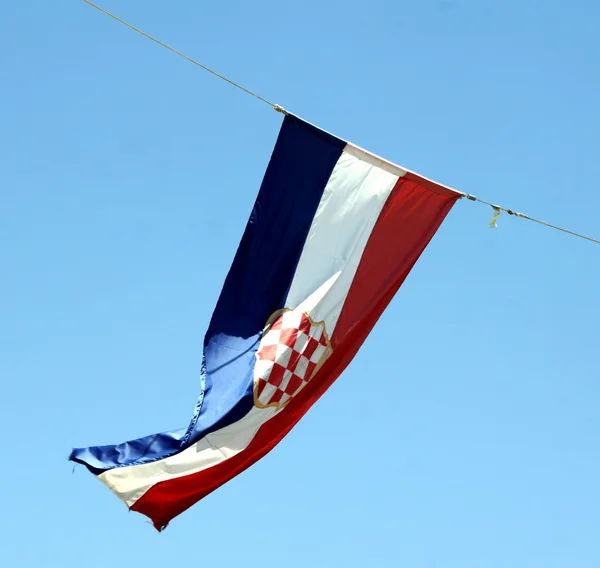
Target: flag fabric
{"type": "Point", "coordinates": [332, 235]}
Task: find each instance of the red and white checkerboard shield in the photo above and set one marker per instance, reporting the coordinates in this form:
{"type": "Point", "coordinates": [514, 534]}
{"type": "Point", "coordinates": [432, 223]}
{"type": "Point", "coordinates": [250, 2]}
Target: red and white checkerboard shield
{"type": "Point", "coordinates": [290, 353]}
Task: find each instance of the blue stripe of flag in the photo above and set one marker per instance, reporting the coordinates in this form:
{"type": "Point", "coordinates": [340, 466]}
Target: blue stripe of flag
{"type": "Point", "coordinates": [256, 286]}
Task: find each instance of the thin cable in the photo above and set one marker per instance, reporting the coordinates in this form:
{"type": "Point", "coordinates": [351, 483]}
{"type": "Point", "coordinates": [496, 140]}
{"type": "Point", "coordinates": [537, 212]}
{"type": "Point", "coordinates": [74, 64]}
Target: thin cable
{"type": "Point", "coordinates": [276, 107]}
{"type": "Point", "coordinates": [282, 110]}
{"type": "Point", "coordinates": [523, 216]}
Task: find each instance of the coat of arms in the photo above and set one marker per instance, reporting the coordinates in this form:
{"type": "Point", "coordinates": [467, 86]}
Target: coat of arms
{"type": "Point", "coordinates": [292, 350]}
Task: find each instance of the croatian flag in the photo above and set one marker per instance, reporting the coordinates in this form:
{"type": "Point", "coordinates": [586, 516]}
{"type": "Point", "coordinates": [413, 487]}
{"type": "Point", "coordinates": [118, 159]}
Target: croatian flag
{"type": "Point", "coordinates": [333, 234]}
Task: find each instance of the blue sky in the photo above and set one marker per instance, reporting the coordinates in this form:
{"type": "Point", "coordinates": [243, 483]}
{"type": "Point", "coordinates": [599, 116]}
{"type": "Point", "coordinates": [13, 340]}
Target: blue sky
{"type": "Point", "coordinates": [464, 434]}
